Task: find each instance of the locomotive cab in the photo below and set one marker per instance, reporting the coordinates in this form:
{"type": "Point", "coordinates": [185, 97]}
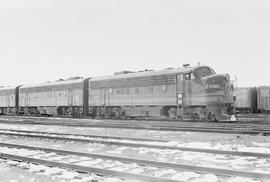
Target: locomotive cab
{"type": "Point", "coordinates": [208, 95]}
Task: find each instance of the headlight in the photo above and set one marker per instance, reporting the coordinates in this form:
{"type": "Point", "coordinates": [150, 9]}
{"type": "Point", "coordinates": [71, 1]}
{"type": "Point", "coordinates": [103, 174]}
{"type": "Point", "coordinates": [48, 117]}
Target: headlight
{"type": "Point", "coordinates": [227, 77]}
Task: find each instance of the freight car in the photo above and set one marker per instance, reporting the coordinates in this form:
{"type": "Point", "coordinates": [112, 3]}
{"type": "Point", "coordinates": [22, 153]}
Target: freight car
{"type": "Point", "coordinates": [8, 100]}
{"type": "Point", "coordinates": [246, 99]}
{"type": "Point", "coordinates": [264, 99]}
{"type": "Point", "coordinates": [196, 93]}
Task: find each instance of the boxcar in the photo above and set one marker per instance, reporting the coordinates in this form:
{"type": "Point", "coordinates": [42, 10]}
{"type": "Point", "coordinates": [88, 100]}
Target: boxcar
{"type": "Point", "coordinates": [8, 100]}
{"type": "Point", "coordinates": [246, 99]}
{"type": "Point", "coordinates": [63, 98]}
{"type": "Point", "coordinates": [264, 98]}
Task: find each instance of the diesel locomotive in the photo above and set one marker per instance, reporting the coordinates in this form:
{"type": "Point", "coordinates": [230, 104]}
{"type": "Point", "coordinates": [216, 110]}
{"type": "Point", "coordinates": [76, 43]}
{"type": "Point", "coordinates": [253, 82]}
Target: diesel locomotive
{"type": "Point", "coordinates": [192, 93]}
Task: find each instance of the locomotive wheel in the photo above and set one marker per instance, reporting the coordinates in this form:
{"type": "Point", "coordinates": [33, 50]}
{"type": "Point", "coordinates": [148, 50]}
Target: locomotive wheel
{"type": "Point", "coordinates": [172, 113]}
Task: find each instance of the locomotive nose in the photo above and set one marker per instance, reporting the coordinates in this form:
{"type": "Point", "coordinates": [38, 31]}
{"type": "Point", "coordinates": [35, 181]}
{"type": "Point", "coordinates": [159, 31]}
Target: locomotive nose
{"type": "Point", "coordinates": [218, 87]}
{"type": "Point", "coordinates": [217, 81]}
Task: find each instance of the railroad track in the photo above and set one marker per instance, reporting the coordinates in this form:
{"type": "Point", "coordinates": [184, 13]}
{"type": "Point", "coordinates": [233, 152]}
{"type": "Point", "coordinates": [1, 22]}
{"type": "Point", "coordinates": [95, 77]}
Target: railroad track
{"type": "Point", "coordinates": [124, 141]}
{"type": "Point", "coordinates": [230, 128]}
{"type": "Point", "coordinates": [84, 121]}
{"type": "Point", "coordinates": [80, 161]}
{"type": "Point", "coordinates": [51, 156]}
{"type": "Point", "coordinates": [240, 116]}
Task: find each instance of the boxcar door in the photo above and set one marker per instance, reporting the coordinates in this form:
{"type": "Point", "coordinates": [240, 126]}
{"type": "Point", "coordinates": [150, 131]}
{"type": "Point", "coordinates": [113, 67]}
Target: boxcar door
{"type": "Point", "coordinates": [188, 88]}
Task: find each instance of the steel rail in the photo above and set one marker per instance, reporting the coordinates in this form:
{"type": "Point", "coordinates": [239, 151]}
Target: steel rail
{"type": "Point", "coordinates": [83, 135]}
{"type": "Point", "coordinates": [99, 171]}
{"type": "Point", "coordinates": [207, 130]}
{"type": "Point", "coordinates": [176, 123]}
{"type": "Point", "coordinates": [153, 122]}
{"type": "Point", "coordinates": [240, 116]}
{"type": "Point", "coordinates": [217, 171]}
{"type": "Point", "coordinates": [158, 128]}
{"type": "Point", "coordinates": [136, 145]}
{"type": "Point", "coordinates": [65, 119]}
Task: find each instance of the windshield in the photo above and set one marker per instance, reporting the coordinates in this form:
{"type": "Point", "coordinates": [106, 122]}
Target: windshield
{"type": "Point", "coordinates": [217, 82]}
{"type": "Point", "coordinates": [203, 71]}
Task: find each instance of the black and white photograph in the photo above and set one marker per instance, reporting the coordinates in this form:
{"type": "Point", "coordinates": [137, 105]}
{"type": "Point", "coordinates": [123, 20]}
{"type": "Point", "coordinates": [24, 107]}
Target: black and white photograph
{"type": "Point", "coordinates": [134, 91]}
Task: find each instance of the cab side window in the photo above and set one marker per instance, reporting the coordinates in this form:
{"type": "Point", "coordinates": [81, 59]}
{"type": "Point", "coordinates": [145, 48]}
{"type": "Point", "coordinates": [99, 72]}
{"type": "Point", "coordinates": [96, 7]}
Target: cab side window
{"type": "Point", "coordinates": [187, 76]}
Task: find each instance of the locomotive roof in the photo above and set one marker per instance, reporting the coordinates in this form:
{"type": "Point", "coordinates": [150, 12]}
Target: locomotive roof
{"type": "Point", "coordinates": [8, 88]}
{"type": "Point", "coordinates": [137, 74]}
{"type": "Point", "coordinates": [64, 82]}
{"type": "Point", "coordinates": [264, 87]}
{"type": "Point", "coordinates": [147, 73]}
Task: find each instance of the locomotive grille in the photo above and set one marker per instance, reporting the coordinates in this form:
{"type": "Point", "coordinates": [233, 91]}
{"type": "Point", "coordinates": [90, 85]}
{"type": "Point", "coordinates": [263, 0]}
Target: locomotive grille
{"type": "Point", "coordinates": [55, 87]}
{"type": "Point", "coordinates": [129, 82]}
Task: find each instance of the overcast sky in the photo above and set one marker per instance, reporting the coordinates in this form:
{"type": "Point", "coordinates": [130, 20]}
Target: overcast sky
{"type": "Point", "coordinates": [43, 40]}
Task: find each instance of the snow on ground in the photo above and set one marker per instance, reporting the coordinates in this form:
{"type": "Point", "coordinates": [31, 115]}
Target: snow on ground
{"type": "Point", "coordinates": [13, 171]}
{"type": "Point", "coordinates": [92, 162]}
{"type": "Point", "coordinates": [179, 139]}
{"type": "Point", "coordinates": [176, 156]}
{"type": "Point", "coordinates": [172, 156]}
{"type": "Point", "coordinates": [218, 141]}
{"type": "Point", "coordinates": [257, 147]}
{"type": "Point", "coordinates": [23, 171]}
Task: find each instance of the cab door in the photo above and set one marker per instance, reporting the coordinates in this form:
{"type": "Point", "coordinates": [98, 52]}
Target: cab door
{"type": "Point", "coordinates": [188, 88]}
{"type": "Point", "coordinates": [180, 89]}
{"type": "Point", "coordinates": [184, 88]}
